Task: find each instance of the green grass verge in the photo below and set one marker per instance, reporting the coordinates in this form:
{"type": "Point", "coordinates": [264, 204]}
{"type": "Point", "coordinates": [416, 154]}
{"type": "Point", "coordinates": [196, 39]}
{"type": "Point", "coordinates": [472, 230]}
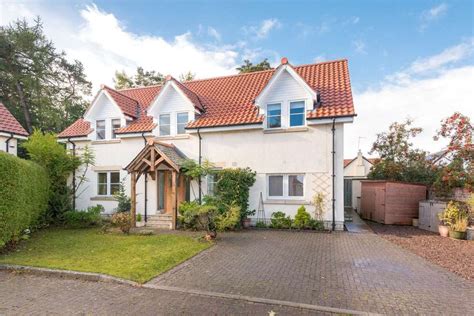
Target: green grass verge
{"type": "Point", "coordinates": [132, 257]}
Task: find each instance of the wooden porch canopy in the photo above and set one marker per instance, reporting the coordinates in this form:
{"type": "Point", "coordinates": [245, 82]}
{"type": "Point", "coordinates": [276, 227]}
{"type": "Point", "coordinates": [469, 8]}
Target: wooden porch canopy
{"type": "Point", "coordinates": [148, 160]}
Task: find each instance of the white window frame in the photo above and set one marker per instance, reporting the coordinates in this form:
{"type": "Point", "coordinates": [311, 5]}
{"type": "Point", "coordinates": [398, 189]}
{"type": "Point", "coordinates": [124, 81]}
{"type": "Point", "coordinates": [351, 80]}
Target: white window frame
{"type": "Point", "coordinates": [170, 124]}
{"type": "Point", "coordinates": [282, 114]}
{"type": "Point", "coordinates": [211, 179]}
{"type": "Point", "coordinates": [304, 112]}
{"type": "Point", "coordinates": [286, 188]}
{"type": "Point", "coordinates": [97, 129]}
{"type": "Point", "coordinates": [177, 123]}
{"type": "Point", "coordinates": [112, 129]}
{"type": "Point", "coordinates": [108, 183]}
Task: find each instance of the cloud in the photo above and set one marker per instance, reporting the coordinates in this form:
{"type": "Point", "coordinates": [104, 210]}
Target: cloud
{"type": "Point", "coordinates": [103, 44]}
{"type": "Point", "coordinates": [432, 14]}
{"type": "Point", "coordinates": [319, 58]}
{"type": "Point", "coordinates": [263, 29]}
{"type": "Point", "coordinates": [360, 47]}
{"type": "Point", "coordinates": [427, 99]}
{"type": "Point", "coordinates": [213, 33]}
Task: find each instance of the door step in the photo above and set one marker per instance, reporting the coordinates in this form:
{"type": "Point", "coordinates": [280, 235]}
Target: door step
{"type": "Point", "coordinates": [163, 221]}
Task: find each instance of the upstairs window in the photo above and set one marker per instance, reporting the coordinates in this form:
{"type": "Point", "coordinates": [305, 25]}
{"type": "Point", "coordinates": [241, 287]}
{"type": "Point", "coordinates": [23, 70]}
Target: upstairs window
{"type": "Point", "coordinates": [182, 121]}
{"type": "Point", "coordinates": [274, 115]}
{"type": "Point", "coordinates": [165, 125]}
{"type": "Point", "coordinates": [297, 113]}
{"type": "Point", "coordinates": [115, 125]}
{"type": "Point", "coordinates": [100, 129]}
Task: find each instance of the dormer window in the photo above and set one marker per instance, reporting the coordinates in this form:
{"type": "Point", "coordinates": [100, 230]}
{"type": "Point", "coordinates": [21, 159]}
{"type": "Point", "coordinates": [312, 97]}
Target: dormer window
{"type": "Point", "coordinates": [182, 121]}
{"type": "Point", "coordinates": [297, 113]}
{"type": "Point", "coordinates": [165, 125]}
{"type": "Point", "coordinates": [115, 125]}
{"type": "Point", "coordinates": [100, 129]}
{"type": "Point", "coordinates": [274, 115]}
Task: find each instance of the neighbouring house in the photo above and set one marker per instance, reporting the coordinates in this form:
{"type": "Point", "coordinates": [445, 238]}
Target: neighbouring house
{"type": "Point", "coordinates": [10, 131]}
{"type": "Point", "coordinates": [287, 124]}
{"type": "Point", "coordinates": [355, 170]}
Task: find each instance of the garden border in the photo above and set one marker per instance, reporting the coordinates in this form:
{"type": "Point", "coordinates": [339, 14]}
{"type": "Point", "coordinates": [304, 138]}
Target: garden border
{"type": "Point", "coordinates": [98, 277]}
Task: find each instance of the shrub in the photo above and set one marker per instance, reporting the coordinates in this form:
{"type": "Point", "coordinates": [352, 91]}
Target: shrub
{"type": "Point", "coordinates": [24, 191]}
{"type": "Point", "coordinates": [316, 224]}
{"type": "Point", "coordinates": [460, 225]}
{"type": "Point", "coordinates": [229, 220]}
{"type": "Point", "coordinates": [139, 217]}
{"type": "Point", "coordinates": [84, 218]}
{"type": "Point", "coordinates": [58, 163]}
{"type": "Point", "coordinates": [261, 225]}
{"type": "Point", "coordinates": [453, 211]}
{"type": "Point", "coordinates": [188, 215]}
{"type": "Point", "coordinates": [280, 220]}
{"type": "Point", "coordinates": [302, 218]}
{"type": "Point", "coordinates": [122, 220]}
{"type": "Point", "coordinates": [233, 186]}
{"type": "Point", "coordinates": [124, 201]}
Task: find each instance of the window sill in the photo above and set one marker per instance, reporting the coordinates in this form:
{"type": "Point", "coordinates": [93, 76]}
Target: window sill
{"type": "Point", "coordinates": [285, 130]}
{"type": "Point", "coordinates": [286, 202]}
{"type": "Point", "coordinates": [104, 198]}
{"type": "Point", "coordinates": [181, 136]}
{"type": "Point", "coordinates": [106, 141]}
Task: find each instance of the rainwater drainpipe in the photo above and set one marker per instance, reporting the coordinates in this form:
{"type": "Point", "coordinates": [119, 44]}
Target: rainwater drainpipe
{"type": "Point", "coordinates": [7, 143]}
{"type": "Point", "coordinates": [200, 161]}
{"type": "Point", "coordinates": [73, 174]}
{"type": "Point", "coordinates": [146, 185]}
{"type": "Point", "coordinates": [333, 129]}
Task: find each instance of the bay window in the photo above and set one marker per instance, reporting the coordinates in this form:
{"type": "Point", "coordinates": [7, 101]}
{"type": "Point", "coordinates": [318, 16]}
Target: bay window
{"type": "Point", "coordinates": [285, 186]}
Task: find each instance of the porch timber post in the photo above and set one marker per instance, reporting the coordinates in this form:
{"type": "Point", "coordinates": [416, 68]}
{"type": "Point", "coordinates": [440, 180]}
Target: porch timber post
{"type": "Point", "coordinates": [133, 209]}
{"type": "Point", "coordinates": [173, 198]}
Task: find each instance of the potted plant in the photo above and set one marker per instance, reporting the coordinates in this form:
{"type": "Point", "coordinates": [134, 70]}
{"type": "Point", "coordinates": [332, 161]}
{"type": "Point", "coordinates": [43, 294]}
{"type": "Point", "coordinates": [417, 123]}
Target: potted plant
{"type": "Point", "coordinates": [247, 221]}
{"type": "Point", "coordinates": [140, 223]}
{"type": "Point", "coordinates": [458, 228]}
{"type": "Point", "coordinates": [443, 228]}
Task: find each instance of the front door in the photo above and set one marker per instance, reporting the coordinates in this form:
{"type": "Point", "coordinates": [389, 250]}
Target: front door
{"type": "Point", "coordinates": [161, 191]}
{"type": "Point", "coordinates": [348, 193]}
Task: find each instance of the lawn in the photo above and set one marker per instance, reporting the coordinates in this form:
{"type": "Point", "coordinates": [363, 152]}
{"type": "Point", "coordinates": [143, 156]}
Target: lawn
{"type": "Point", "coordinates": [132, 257]}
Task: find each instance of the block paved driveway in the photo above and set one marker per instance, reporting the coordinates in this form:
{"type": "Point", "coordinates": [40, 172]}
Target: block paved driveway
{"type": "Point", "coordinates": [353, 271]}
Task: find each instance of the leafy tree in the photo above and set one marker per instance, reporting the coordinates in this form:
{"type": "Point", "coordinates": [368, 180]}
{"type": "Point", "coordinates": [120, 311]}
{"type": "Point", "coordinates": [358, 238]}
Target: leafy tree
{"type": "Point", "coordinates": [250, 67]}
{"type": "Point", "coordinates": [142, 78]}
{"type": "Point", "coordinates": [38, 84]}
{"type": "Point", "coordinates": [459, 172]}
{"type": "Point", "coordinates": [59, 163]}
{"type": "Point", "coordinates": [399, 161]}
{"type": "Point", "coordinates": [187, 76]}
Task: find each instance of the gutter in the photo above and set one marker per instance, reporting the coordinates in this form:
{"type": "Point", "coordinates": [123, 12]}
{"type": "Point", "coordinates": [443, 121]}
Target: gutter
{"type": "Point", "coordinates": [146, 185]}
{"type": "Point", "coordinates": [7, 143]}
{"type": "Point", "coordinates": [200, 162]}
{"type": "Point", "coordinates": [73, 174]}
{"type": "Point", "coordinates": [333, 129]}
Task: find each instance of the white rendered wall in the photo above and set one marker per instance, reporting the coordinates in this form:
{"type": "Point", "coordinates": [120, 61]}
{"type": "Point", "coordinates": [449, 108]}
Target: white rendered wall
{"type": "Point", "coordinates": [13, 145]}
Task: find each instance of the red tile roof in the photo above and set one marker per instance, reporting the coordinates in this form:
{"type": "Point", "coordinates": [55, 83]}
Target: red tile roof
{"type": "Point", "coordinates": [79, 128]}
{"type": "Point", "coordinates": [9, 124]}
{"type": "Point", "coordinates": [128, 105]}
{"type": "Point", "coordinates": [229, 100]}
{"type": "Point", "coordinates": [143, 124]}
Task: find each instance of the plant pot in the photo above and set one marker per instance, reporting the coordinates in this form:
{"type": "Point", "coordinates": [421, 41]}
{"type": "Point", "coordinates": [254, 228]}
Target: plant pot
{"type": "Point", "coordinates": [246, 222]}
{"type": "Point", "coordinates": [415, 222]}
{"type": "Point", "coordinates": [443, 230]}
{"type": "Point", "coordinates": [457, 235]}
{"type": "Point", "coordinates": [140, 224]}
{"type": "Point", "coordinates": [470, 233]}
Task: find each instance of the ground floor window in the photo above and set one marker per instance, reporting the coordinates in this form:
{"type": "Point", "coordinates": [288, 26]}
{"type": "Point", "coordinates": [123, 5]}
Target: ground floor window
{"type": "Point", "coordinates": [285, 185]}
{"type": "Point", "coordinates": [108, 182]}
{"type": "Point", "coordinates": [211, 184]}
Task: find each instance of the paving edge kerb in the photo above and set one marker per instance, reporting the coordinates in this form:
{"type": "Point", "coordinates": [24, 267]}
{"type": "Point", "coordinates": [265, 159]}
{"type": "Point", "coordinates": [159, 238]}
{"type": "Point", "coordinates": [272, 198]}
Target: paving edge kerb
{"type": "Point", "coordinates": [98, 277]}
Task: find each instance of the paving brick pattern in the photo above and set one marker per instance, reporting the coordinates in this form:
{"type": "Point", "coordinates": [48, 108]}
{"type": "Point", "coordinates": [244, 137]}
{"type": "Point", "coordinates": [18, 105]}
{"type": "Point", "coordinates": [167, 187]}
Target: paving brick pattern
{"type": "Point", "coordinates": [25, 294]}
{"type": "Point", "coordinates": [353, 271]}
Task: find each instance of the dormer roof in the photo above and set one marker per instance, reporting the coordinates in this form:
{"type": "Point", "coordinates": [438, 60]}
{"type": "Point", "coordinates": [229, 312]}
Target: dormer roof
{"type": "Point", "coordinates": [9, 124]}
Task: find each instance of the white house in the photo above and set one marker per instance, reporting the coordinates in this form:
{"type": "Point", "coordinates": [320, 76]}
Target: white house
{"type": "Point", "coordinates": [355, 170]}
{"type": "Point", "coordinates": [287, 124]}
{"type": "Point", "coordinates": [10, 131]}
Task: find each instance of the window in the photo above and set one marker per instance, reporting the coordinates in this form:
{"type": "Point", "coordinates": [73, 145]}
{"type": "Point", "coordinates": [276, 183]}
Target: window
{"type": "Point", "coordinates": [182, 119]}
{"type": "Point", "coordinates": [275, 186]}
{"type": "Point", "coordinates": [297, 113]}
{"type": "Point", "coordinates": [108, 183]}
{"type": "Point", "coordinates": [211, 184]}
{"type": "Point", "coordinates": [165, 124]}
{"type": "Point", "coordinates": [274, 115]}
{"type": "Point", "coordinates": [100, 129]}
{"type": "Point", "coordinates": [286, 186]}
{"type": "Point", "coordinates": [115, 125]}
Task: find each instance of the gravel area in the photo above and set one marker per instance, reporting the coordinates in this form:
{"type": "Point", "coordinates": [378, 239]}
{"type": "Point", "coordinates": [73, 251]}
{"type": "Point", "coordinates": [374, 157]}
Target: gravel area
{"type": "Point", "coordinates": [454, 255]}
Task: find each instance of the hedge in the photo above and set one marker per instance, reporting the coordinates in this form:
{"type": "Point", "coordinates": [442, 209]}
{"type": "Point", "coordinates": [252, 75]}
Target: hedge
{"type": "Point", "coordinates": [24, 195]}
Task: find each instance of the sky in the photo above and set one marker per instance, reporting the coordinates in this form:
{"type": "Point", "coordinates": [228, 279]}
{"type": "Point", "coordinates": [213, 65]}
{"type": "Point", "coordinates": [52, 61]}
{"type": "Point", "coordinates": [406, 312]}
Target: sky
{"type": "Point", "coordinates": [406, 58]}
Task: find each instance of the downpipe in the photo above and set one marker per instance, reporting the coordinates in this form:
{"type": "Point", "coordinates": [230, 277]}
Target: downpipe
{"type": "Point", "coordinates": [333, 129]}
{"type": "Point", "coordinates": [200, 162]}
{"type": "Point", "coordinates": [73, 175]}
{"type": "Point", "coordinates": [7, 143]}
{"type": "Point", "coordinates": [146, 186]}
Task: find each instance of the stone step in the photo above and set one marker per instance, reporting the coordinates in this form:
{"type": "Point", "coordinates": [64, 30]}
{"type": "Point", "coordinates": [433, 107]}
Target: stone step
{"type": "Point", "coordinates": [166, 225]}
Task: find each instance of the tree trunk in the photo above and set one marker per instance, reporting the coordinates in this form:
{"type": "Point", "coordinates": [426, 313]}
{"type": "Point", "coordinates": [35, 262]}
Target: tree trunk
{"type": "Point", "coordinates": [24, 106]}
